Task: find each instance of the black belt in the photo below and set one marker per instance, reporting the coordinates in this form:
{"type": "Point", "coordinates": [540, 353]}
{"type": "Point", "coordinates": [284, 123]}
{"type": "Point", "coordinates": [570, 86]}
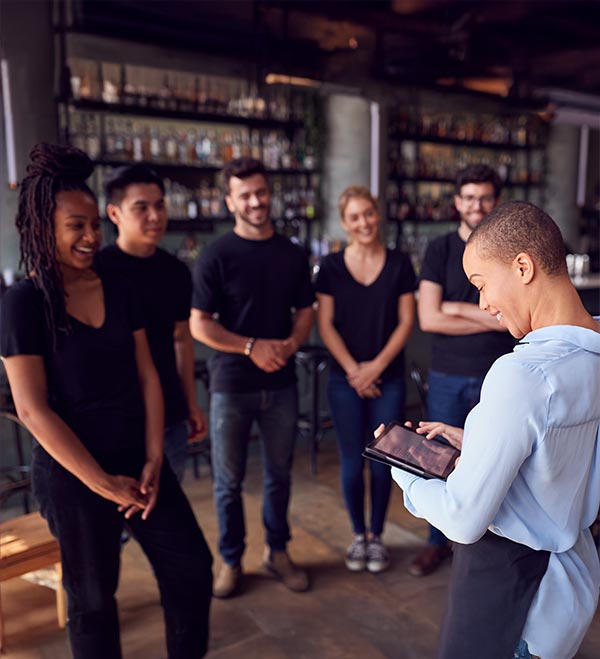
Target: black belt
{"type": "Point", "coordinates": [492, 585]}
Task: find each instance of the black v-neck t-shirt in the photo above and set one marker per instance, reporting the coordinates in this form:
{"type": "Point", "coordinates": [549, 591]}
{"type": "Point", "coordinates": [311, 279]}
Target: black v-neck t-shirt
{"type": "Point", "coordinates": [92, 374]}
{"type": "Point", "coordinates": [366, 316]}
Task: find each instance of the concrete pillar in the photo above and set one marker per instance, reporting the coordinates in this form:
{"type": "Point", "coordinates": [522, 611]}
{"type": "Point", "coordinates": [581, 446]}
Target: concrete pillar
{"type": "Point", "coordinates": [561, 181]}
{"type": "Point", "coordinates": [347, 157]}
{"type": "Point", "coordinates": [28, 47]}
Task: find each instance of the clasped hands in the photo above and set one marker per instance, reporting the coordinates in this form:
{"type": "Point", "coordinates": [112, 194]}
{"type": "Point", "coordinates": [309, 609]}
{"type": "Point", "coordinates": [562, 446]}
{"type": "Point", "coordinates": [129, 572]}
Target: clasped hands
{"type": "Point", "coordinates": [271, 355]}
{"type": "Point", "coordinates": [364, 379]}
{"type": "Point", "coordinates": [132, 495]}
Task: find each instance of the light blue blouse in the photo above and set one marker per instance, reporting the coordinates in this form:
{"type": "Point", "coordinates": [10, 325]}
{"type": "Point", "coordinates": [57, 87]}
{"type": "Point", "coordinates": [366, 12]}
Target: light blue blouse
{"type": "Point", "coordinates": [530, 471]}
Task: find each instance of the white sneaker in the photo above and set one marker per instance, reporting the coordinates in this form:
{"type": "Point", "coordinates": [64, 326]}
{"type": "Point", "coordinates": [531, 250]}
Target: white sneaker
{"type": "Point", "coordinates": [356, 554]}
{"type": "Point", "coordinates": [377, 555]}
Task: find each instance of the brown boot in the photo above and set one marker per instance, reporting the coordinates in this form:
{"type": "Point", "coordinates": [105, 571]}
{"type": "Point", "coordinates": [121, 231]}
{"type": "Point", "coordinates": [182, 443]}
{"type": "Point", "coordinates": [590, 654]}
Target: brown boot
{"type": "Point", "coordinates": [227, 581]}
{"type": "Point", "coordinates": [429, 560]}
{"type": "Point", "coordinates": [279, 565]}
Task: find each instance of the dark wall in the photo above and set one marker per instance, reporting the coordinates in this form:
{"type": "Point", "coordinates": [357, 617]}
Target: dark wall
{"type": "Point", "coordinates": [27, 44]}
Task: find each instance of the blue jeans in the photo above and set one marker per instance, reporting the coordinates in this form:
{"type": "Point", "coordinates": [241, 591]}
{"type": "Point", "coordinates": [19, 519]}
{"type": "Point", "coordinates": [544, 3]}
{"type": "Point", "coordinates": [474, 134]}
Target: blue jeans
{"type": "Point", "coordinates": [522, 651]}
{"type": "Point", "coordinates": [355, 419]}
{"type": "Point", "coordinates": [176, 445]}
{"type": "Point", "coordinates": [88, 530]}
{"type": "Point", "coordinates": [450, 398]}
{"type": "Point", "coordinates": [231, 417]}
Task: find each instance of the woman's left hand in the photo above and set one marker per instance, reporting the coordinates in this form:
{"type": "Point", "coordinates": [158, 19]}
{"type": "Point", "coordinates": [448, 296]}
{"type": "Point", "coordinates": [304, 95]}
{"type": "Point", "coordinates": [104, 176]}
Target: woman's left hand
{"type": "Point", "coordinates": [364, 375]}
{"type": "Point", "coordinates": [149, 485]}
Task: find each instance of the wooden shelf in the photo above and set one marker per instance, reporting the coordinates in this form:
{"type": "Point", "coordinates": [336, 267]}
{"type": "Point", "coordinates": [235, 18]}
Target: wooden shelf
{"type": "Point", "coordinates": [452, 181]}
{"type": "Point", "coordinates": [89, 105]}
{"type": "Point", "coordinates": [175, 166]}
{"type": "Point", "coordinates": [471, 144]}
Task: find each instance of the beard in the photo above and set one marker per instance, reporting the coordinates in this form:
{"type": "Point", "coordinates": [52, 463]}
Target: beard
{"type": "Point", "coordinates": [256, 223]}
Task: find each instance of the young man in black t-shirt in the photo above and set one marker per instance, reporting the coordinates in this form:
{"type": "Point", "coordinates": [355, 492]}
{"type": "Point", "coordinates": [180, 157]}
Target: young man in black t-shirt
{"type": "Point", "coordinates": [466, 340]}
{"type": "Point", "coordinates": [136, 206]}
{"type": "Point", "coordinates": [247, 285]}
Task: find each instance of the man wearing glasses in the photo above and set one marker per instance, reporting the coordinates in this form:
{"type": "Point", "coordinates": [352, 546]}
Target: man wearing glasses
{"type": "Point", "coordinates": [466, 341]}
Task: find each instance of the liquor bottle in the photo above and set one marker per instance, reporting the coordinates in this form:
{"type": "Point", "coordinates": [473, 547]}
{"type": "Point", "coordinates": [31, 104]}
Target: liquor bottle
{"type": "Point", "coordinates": [155, 145]}
{"type": "Point", "coordinates": [119, 139]}
{"type": "Point", "coordinates": [202, 95]}
{"type": "Point", "coordinates": [192, 207]}
{"type": "Point", "coordinates": [138, 145]}
{"type": "Point", "coordinates": [171, 146]}
{"type": "Point", "coordinates": [109, 142]}
{"type": "Point", "coordinates": [128, 141]}
{"type": "Point", "coordinates": [92, 138]}
{"type": "Point", "coordinates": [128, 91]}
{"type": "Point", "coordinates": [236, 144]}
{"type": "Point", "coordinates": [146, 151]}
{"type": "Point", "coordinates": [216, 203]}
{"type": "Point", "coordinates": [204, 199]}
{"type": "Point", "coordinates": [255, 145]}
{"type": "Point", "coordinates": [182, 148]}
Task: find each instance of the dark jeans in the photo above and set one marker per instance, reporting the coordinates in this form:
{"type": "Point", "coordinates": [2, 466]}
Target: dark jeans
{"type": "Point", "coordinates": [355, 419]}
{"type": "Point", "coordinates": [450, 398]}
{"type": "Point", "coordinates": [231, 417]}
{"type": "Point", "coordinates": [88, 530]}
{"type": "Point", "coordinates": [176, 445]}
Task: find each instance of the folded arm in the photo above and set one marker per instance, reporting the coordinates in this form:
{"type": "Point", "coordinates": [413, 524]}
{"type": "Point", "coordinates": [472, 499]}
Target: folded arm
{"type": "Point", "coordinates": [453, 318]}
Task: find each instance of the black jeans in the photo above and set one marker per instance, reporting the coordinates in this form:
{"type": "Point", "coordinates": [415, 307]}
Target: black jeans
{"type": "Point", "coordinates": [88, 530]}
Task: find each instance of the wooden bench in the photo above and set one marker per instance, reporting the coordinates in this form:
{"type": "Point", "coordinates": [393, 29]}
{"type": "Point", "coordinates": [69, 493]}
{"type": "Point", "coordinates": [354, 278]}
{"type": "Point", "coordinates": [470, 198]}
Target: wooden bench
{"type": "Point", "coordinates": [27, 545]}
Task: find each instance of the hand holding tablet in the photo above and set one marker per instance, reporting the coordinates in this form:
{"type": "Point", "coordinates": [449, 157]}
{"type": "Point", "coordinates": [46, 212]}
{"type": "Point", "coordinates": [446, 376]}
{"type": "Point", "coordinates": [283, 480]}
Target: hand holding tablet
{"type": "Point", "coordinates": [402, 447]}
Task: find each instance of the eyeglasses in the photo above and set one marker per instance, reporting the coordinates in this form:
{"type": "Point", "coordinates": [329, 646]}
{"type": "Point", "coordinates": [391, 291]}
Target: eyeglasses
{"type": "Point", "coordinates": [485, 200]}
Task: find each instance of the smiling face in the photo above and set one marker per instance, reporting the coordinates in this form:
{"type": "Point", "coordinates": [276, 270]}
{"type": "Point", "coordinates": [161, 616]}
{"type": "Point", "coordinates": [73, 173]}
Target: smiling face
{"type": "Point", "coordinates": [249, 200]}
{"type": "Point", "coordinates": [502, 288]}
{"type": "Point", "coordinates": [141, 218]}
{"type": "Point", "coordinates": [360, 221]}
{"type": "Point", "coordinates": [476, 200]}
{"type": "Point", "coordinates": [77, 230]}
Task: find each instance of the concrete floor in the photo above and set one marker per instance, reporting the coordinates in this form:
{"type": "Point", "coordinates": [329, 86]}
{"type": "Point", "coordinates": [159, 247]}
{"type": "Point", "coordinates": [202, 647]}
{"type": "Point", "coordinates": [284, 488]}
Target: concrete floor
{"type": "Point", "coordinates": [344, 615]}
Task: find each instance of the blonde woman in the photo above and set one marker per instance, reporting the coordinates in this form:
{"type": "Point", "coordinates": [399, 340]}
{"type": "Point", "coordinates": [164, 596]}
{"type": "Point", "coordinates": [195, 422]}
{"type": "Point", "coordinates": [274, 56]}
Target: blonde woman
{"type": "Point", "coordinates": [366, 314]}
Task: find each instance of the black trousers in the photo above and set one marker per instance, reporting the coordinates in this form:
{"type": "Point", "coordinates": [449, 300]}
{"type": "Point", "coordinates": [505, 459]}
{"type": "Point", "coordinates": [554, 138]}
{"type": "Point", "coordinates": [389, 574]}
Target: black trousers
{"type": "Point", "coordinates": [88, 529]}
{"type": "Point", "coordinates": [492, 585]}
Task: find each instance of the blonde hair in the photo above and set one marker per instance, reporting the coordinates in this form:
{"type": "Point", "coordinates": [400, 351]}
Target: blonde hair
{"type": "Point", "coordinates": [355, 192]}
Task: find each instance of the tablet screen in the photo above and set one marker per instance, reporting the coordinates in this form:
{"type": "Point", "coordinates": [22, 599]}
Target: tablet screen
{"type": "Point", "coordinates": [406, 446]}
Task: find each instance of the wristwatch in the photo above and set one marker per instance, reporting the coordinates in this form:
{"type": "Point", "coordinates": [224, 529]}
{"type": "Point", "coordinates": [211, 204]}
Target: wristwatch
{"type": "Point", "coordinates": [248, 346]}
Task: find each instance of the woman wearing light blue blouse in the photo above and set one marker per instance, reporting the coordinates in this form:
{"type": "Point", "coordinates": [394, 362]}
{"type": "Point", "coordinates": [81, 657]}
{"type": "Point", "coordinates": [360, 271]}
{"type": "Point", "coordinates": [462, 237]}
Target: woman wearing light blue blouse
{"type": "Point", "coordinates": [527, 486]}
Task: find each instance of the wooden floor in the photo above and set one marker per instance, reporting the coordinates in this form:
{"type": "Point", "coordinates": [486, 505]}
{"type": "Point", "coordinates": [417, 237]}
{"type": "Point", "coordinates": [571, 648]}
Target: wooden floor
{"type": "Point", "coordinates": [344, 615]}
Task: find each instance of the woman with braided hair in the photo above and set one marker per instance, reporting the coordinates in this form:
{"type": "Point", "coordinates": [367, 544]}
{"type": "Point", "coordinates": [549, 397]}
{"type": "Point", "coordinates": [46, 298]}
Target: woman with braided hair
{"type": "Point", "coordinates": [83, 382]}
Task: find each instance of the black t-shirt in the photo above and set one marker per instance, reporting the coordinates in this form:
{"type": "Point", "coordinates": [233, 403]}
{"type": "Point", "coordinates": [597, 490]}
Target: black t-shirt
{"type": "Point", "coordinates": [252, 285]}
{"type": "Point", "coordinates": [164, 286]}
{"type": "Point", "coordinates": [366, 316]}
{"type": "Point", "coordinates": [466, 354]}
{"type": "Point", "coordinates": [92, 374]}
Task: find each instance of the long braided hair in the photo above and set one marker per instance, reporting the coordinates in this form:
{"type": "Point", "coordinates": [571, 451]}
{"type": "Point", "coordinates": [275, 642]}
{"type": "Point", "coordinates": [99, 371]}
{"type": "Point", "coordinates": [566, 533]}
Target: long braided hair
{"type": "Point", "coordinates": [52, 169]}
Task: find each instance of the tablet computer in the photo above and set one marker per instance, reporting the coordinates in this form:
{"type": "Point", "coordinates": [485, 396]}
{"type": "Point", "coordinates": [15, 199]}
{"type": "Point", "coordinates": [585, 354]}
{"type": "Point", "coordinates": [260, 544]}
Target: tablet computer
{"type": "Point", "coordinates": [399, 446]}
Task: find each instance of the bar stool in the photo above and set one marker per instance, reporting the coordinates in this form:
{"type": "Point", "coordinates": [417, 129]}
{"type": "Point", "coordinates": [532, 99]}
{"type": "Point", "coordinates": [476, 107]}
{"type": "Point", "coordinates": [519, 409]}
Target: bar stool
{"type": "Point", "coordinates": [314, 360]}
{"type": "Point", "coordinates": [201, 449]}
{"type": "Point", "coordinates": [15, 478]}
